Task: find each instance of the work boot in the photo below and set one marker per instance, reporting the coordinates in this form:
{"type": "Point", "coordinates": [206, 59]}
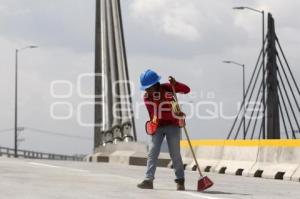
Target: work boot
{"type": "Point", "coordinates": [146, 184]}
{"type": "Point", "coordinates": [180, 184]}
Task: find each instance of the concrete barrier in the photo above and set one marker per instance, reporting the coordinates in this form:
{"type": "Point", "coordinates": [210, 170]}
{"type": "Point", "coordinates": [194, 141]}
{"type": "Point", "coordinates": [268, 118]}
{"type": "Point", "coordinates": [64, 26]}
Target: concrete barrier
{"type": "Point", "coordinates": [140, 159]}
{"type": "Point", "coordinates": [296, 175]}
{"type": "Point", "coordinates": [237, 160]}
{"type": "Point", "coordinates": [276, 163]}
{"type": "Point", "coordinates": [117, 152]}
{"type": "Point", "coordinates": [275, 159]}
{"type": "Point", "coordinates": [121, 157]}
{"type": "Point", "coordinates": [208, 158]}
{"type": "Point", "coordinates": [122, 146]}
{"type": "Point", "coordinates": [100, 157]}
{"type": "Point", "coordinates": [187, 158]}
{"type": "Point", "coordinates": [208, 153]}
{"type": "Point", "coordinates": [131, 153]}
{"type": "Point", "coordinates": [291, 156]}
{"type": "Point", "coordinates": [88, 158]}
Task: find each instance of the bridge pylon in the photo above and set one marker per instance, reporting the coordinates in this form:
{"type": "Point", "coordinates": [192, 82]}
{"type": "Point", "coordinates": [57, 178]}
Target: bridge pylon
{"type": "Point", "coordinates": [283, 95]}
{"type": "Point", "coordinates": [114, 120]}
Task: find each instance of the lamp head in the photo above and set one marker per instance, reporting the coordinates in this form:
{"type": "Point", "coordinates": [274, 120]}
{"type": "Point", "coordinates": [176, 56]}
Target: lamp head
{"type": "Point", "coordinates": [227, 62]}
{"type": "Point", "coordinates": [239, 8]}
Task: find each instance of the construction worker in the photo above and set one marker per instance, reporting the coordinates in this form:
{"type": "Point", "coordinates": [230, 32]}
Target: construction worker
{"type": "Point", "coordinates": [158, 99]}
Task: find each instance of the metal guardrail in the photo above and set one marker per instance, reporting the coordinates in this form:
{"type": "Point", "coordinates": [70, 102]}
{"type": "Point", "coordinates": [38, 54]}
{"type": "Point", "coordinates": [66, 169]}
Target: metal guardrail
{"type": "Point", "coordinates": [9, 152]}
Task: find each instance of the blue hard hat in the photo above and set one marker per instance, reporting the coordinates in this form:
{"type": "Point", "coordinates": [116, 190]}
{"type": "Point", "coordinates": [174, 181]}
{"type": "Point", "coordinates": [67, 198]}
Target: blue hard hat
{"type": "Point", "coordinates": [148, 79]}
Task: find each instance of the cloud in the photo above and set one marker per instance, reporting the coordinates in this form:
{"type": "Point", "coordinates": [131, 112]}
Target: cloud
{"type": "Point", "coordinates": [49, 24]}
{"type": "Point", "coordinates": [180, 29]}
{"type": "Point", "coordinates": [171, 18]}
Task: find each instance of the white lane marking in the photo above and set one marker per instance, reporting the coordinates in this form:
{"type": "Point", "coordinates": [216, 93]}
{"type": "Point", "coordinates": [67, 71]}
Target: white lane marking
{"type": "Point", "coordinates": [87, 172]}
{"type": "Point", "coordinates": [93, 173]}
{"type": "Point", "coordinates": [199, 195]}
{"type": "Point", "coordinates": [57, 167]}
{"type": "Point", "coordinates": [43, 165]}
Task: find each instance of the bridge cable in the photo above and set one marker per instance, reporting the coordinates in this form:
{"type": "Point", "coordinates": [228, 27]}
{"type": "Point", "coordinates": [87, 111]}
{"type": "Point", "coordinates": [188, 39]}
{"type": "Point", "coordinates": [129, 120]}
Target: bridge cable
{"type": "Point", "coordinates": [284, 124]}
{"type": "Point", "coordinates": [255, 123]}
{"type": "Point", "coordinates": [249, 122]}
{"type": "Point", "coordinates": [285, 107]}
{"type": "Point", "coordinates": [288, 82]}
{"type": "Point", "coordinates": [288, 66]}
{"type": "Point", "coordinates": [243, 104]}
{"type": "Point", "coordinates": [289, 101]}
{"type": "Point", "coordinates": [251, 79]}
{"type": "Point", "coordinates": [260, 132]}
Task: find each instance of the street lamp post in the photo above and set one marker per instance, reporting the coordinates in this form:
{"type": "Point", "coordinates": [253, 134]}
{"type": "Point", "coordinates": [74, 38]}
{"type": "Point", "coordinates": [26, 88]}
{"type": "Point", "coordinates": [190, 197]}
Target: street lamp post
{"type": "Point", "coordinates": [262, 12]}
{"type": "Point", "coordinates": [244, 93]}
{"type": "Point", "coordinates": [16, 98]}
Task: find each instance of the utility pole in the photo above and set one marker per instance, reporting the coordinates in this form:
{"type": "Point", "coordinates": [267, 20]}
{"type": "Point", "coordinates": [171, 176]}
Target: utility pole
{"type": "Point", "coordinates": [244, 94]}
{"type": "Point", "coordinates": [262, 12]}
{"type": "Point", "coordinates": [16, 98]}
{"type": "Point", "coordinates": [16, 105]}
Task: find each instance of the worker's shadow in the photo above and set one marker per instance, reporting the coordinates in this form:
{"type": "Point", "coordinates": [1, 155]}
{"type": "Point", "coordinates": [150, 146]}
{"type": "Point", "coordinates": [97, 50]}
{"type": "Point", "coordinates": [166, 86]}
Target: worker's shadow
{"type": "Point", "coordinates": [210, 192]}
{"type": "Point", "coordinates": [220, 193]}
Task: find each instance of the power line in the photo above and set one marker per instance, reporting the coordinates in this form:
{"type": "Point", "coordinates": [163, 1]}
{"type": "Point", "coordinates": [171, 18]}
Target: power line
{"type": "Point", "coordinates": [49, 133]}
{"type": "Point", "coordinates": [5, 130]}
{"type": "Point", "coordinates": [58, 134]}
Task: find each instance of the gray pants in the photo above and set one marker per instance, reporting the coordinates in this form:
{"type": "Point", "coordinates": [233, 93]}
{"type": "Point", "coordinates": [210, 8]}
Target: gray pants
{"type": "Point", "coordinates": [172, 134]}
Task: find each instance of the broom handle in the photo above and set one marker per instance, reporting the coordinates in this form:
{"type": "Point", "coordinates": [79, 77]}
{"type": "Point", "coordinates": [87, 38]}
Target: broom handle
{"type": "Point", "coordinates": [186, 133]}
{"type": "Point", "coordinates": [192, 150]}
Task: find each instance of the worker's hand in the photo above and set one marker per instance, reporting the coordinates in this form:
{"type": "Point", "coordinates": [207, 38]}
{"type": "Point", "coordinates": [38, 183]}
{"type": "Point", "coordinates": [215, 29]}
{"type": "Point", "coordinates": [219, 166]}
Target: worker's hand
{"type": "Point", "coordinates": [172, 80]}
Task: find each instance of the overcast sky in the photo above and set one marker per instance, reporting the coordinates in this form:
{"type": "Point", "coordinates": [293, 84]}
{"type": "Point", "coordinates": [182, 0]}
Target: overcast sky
{"type": "Point", "coordinates": [184, 38]}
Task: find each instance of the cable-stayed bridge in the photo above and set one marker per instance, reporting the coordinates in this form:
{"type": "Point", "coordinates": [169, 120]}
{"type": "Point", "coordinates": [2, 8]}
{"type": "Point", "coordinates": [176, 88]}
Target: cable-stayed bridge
{"type": "Point", "coordinates": [260, 145]}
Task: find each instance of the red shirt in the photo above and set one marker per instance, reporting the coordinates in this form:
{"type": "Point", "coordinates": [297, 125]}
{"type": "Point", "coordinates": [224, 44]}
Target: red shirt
{"type": "Point", "coordinates": [159, 103]}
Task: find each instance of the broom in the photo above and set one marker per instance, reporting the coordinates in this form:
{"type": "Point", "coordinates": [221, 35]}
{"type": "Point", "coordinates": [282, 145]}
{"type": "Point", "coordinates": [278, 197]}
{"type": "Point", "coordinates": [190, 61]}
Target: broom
{"type": "Point", "coordinates": [204, 182]}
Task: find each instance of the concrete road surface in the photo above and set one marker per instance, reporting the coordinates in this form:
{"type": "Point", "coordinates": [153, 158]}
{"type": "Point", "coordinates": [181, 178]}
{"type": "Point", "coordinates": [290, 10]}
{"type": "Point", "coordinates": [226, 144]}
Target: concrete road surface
{"type": "Point", "coordinates": [37, 179]}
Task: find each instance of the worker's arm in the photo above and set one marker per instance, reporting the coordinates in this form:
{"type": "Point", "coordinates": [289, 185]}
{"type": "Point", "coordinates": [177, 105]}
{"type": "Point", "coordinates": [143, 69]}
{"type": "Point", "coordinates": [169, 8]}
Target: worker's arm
{"type": "Point", "coordinates": [179, 87]}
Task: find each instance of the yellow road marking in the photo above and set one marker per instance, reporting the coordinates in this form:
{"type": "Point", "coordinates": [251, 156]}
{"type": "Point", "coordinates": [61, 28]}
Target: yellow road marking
{"type": "Point", "coordinates": [245, 143]}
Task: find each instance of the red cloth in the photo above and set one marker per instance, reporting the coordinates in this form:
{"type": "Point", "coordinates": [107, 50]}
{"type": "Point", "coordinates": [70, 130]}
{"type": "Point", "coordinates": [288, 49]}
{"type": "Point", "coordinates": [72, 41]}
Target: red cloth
{"type": "Point", "coordinates": [159, 103]}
